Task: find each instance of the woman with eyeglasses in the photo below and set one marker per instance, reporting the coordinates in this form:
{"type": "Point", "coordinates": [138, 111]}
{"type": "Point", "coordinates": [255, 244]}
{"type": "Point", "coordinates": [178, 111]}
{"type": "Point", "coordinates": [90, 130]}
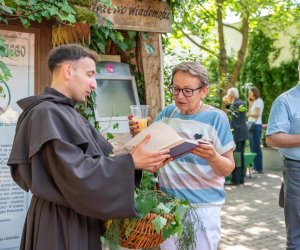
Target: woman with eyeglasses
{"type": "Point", "coordinates": [199, 176]}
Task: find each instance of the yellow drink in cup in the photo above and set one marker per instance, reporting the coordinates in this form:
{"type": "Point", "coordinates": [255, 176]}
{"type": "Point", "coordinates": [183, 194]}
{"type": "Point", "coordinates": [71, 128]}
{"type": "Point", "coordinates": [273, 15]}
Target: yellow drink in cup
{"type": "Point", "coordinates": [142, 123]}
{"type": "Point", "coordinates": [140, 113]}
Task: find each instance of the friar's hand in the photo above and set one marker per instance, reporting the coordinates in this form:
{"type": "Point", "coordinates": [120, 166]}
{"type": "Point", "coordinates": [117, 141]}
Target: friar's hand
{"type": "Point", "coordinates": [150, 161]}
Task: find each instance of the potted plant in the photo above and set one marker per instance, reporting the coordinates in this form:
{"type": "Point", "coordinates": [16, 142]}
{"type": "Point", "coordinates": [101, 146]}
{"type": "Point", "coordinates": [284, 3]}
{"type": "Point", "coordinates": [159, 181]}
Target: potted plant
{"type": "Point", "coordinates": [160, 217]}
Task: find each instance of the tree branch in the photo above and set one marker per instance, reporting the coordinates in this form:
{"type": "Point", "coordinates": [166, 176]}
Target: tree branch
{"type": "Point", "coordinates": [208, 13]}
{"type": "Point", "coordinates": [222, 49]}
{"type": "Point", "coordinates": [199, 45]}
{"type": "Point", "coordinates": [242, 52]}
{"type": "Point", "coordinates": [215, 18]}
{"type": "Point", "coordinates": [232, 27]}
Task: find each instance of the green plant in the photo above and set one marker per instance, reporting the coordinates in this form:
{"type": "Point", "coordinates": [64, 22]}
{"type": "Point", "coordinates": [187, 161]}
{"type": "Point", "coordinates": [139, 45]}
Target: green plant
{"type": "Point", "coordinates": [87, 110]}
{"type": "Point", "coordinates": [205, 24]}
{"type": "Point", "coordinates": [4, 52]}
{"type": "Point", "coordinates": [149, 200]}
{"type": "Point", "coordinates": [63, 12]}
{"type": "Point", "coordinates": [271, 81]}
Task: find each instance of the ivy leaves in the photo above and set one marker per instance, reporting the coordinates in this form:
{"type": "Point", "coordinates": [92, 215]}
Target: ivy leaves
{"type": "Point", "coordinates": [101, 36]}
{"type": "Point", "coordinates": [4, 52]}
{"type": "Point", "coordinates": [37, 10]}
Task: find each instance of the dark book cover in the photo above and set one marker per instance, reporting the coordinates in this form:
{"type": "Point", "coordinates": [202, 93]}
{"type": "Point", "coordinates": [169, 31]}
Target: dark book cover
{"type": "Point", "coordinates": [182, 149]}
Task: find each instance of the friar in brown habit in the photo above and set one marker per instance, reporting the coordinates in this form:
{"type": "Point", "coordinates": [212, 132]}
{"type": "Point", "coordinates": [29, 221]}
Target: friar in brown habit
{"type": "Point", "coordinates": [65, 162]}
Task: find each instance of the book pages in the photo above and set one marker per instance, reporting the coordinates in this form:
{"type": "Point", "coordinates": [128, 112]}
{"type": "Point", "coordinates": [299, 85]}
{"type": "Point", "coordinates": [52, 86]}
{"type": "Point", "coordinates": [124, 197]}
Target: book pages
{"type": "Point", "coordinates": [162, 136]}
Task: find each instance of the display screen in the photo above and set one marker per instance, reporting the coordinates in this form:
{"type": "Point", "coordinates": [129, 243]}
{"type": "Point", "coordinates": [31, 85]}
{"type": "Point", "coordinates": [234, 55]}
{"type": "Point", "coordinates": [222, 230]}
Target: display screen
{"type": "Point", "coordinates": [114, 97]}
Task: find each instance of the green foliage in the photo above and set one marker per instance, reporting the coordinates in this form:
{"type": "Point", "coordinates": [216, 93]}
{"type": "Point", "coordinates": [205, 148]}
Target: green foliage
{"type": "Point", "coordinates": [87, 110]}
{"type": "Point", "coordinates": [140, 84]}
{"type": "Point", "coordinates": [84, 14]}
{"type": "Point", "coordinates": [64, 12]}
{"type": "Point", "coordinates": [84, 3]}
{"type": "Point", "coordinates": [4, 52]}
{"type": "Point", "coordinates": [197, 21]}
{"type": "Point", "coordinates": [37, 10]}
{"type": "Point", "coordinates": [101, 36]}
{"type": "Point", "coordinates": [258, 72]}
{"type": "Point", "coordinates": [149, 200]}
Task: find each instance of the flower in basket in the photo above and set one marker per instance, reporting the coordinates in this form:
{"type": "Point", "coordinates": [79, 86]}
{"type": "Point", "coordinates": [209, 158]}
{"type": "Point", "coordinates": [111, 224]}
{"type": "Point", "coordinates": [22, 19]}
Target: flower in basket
{"type": "Point", "coordinates": [160, 217]}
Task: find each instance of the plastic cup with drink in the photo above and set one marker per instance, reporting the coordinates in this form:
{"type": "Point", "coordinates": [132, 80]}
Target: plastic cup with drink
{"type": "Point", "coordinates": [140, 115]}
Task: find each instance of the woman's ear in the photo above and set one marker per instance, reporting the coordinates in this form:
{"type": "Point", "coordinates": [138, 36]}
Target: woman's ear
{"type": "Point", "coordinates": [204, 92]}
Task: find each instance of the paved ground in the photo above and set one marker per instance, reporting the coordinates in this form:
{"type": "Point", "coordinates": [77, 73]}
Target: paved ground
{"type": "Point", "coordinates": [251, 217]}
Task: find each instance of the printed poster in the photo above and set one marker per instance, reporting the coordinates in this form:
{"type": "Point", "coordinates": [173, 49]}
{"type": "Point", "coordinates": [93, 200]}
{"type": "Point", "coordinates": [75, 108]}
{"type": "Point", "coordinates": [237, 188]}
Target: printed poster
{"type": "Point", "coordinates": [13, 200]}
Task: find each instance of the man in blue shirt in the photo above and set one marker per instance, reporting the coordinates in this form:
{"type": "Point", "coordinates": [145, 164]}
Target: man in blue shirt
{"type": "Point", "coordinates": [284, 132]}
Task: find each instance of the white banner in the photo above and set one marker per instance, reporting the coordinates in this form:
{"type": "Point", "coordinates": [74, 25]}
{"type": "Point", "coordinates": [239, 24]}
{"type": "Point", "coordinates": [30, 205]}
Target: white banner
{"type": "Point", "coordinates": [13, 200]}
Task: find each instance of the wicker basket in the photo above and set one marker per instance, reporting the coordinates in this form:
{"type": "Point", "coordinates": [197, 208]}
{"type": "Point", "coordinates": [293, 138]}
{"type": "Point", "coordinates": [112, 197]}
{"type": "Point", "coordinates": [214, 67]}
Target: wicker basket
{"type": "Point", "coordinates": [142, 233]}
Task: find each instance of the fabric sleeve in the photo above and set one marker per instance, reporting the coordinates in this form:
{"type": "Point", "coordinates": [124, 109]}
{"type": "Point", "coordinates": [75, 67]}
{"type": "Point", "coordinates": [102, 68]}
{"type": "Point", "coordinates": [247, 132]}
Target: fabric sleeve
{"type": "Point", "coordinates": [279, 120]}
{"type": "Point", "coordinates": [225, 140]}
{"type": "Point", "coordinates": [100, 187]}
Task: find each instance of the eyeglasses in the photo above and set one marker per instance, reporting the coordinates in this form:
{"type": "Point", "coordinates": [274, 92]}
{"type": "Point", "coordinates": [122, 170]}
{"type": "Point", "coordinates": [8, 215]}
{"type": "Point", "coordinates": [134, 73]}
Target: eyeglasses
{"type": "Point", "coordinates": [187, 92]}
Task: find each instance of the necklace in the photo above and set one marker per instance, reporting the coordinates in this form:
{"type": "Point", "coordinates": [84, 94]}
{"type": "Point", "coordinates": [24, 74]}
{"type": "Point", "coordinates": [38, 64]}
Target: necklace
{"type": "Point", "coordinates": [198, 110]}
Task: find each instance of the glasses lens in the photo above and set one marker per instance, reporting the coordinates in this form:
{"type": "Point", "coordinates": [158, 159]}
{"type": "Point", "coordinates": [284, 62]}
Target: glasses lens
{"type": "Point", "coordinates": [173, 91]}
{"type": "Point", "coordinates": [187, 92]}
{"type": "Point", "coordinates": [176, 91]}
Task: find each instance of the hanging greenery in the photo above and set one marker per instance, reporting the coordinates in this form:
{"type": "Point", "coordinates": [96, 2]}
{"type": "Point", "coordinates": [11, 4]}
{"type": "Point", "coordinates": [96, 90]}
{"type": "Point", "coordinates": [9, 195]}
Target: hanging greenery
{"type": "Point", "coordinates": [4, 70]}
{"type": "Point", "coordinates": [257, 71]}
{"type": "Point", "coordinates": [63, 12]}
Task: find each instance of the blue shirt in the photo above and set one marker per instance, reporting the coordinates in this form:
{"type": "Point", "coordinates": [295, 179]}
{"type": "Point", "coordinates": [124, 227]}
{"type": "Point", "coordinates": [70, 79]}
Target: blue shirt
{"type": "Point", "coordinates": [285, 117]}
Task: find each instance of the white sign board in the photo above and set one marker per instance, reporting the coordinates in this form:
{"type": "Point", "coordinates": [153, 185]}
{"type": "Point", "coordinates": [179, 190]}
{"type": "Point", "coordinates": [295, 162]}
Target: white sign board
{"type": "Point", "coordinates": [13, 200]}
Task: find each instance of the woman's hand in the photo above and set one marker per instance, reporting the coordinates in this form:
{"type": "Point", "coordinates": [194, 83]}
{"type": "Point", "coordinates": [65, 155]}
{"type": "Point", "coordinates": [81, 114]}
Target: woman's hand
{"type": "Point", "coordinates": [150, 161]}
{"type": "Point", "coordinates": [134, 125]}
{"type": "Point", "coordinates": [221, 164]}
{"type": "Point", "coordinates": [206, 151]}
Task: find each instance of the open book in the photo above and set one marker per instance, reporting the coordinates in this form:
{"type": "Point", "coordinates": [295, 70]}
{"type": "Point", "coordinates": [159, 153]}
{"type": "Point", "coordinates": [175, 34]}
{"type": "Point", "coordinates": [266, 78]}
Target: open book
{"type": "Point", "coordinates": [163, 136]}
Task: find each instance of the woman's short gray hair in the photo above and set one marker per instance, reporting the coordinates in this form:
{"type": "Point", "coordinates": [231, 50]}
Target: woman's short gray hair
{"type": "Point", "coordinates": [234, 92]}
{"type": "Point", "coordinates": [196, 69]}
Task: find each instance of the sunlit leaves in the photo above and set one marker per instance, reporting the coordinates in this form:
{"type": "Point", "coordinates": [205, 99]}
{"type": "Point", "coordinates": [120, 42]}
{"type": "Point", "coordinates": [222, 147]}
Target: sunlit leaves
{"type": "Point", "coordinates": [5, 73]}
{"type": "Point", "coordinates": [103, 35]}
{"type": "Point", "coordinates": [37, 10]}
{"type": "Point", "coordinates": [159, 222]}
{"type": "Point", "coordinates": [197, 21]}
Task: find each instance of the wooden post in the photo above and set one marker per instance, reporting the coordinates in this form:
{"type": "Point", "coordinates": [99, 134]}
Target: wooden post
{"type": "Point", "coordinates": [153, 73]}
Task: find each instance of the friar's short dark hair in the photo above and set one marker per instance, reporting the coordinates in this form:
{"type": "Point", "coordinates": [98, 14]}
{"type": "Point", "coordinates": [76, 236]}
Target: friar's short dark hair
{"type": "Point", "coordinates": [69, 52]}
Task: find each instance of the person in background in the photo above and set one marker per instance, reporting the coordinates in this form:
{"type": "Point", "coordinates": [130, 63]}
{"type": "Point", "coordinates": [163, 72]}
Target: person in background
{"type": "Point", "coordinates": [283, 131]}
{"type": "Point", "coordinates": [256, 108]}
{"type": "Point", "coordinates": [236, 111]}
{"type": "Point", "coordinates": [199, 176]}
{"type": "Point", "coordinates": [66, 163]}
